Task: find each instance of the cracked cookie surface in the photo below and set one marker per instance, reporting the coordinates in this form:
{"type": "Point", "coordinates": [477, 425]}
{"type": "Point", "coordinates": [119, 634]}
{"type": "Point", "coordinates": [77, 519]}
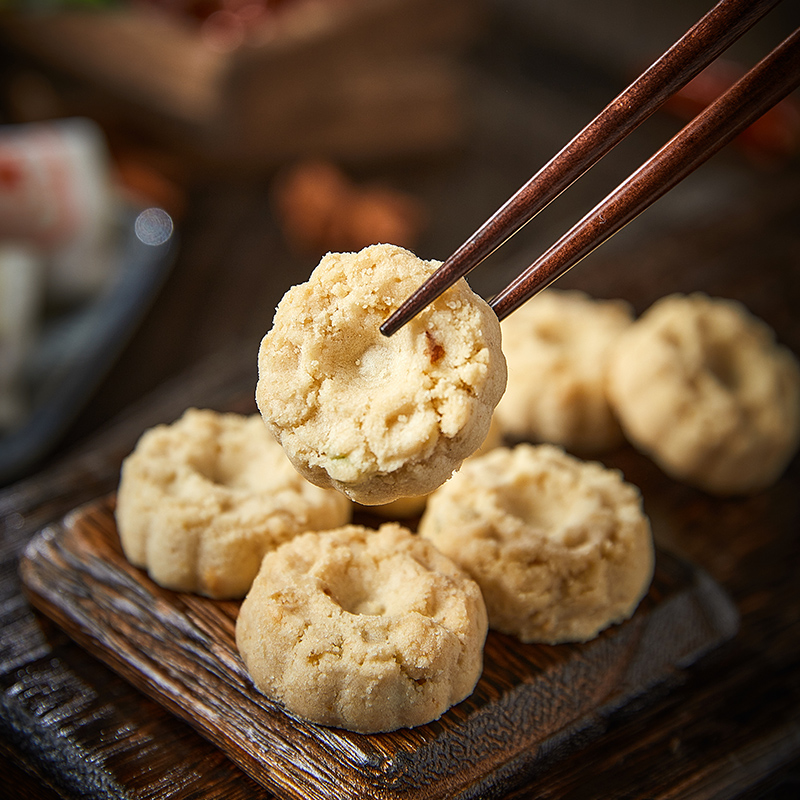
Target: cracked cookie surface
{"type": "Point", "coordinates": [201, 500]}
{"type": "Point", "coordinates": [557, 346]}
{"type": "Point", "coordinates": [560, 547]}
{"type": "Point", "coordinates": [368, 630]}
{"type": "Point", "coordinates": [702, 386]}
{"type": "Point", "coordinates": [379, 417]}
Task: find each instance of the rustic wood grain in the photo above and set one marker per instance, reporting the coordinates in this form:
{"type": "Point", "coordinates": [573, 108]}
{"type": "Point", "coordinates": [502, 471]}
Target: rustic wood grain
{"type": "Point", "coordinates": [531, 700]}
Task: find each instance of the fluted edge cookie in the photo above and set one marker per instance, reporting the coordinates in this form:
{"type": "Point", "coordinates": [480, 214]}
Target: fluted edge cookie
{"type": "Point", "coordinates": [560, 547]}
{"type": "Point", "coordinates": [201, 500]}
{"type": "Point", "coordinates": [557, 347]}
{"type": "Point", "coordinates": [368, 630]}
{"type": "Point", "coordinates": [702, 386]}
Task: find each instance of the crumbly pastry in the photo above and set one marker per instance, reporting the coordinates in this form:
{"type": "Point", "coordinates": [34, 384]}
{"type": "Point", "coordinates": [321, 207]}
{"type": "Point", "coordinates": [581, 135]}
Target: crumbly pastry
{"type": "Point", "coordinates": [557, 347]}
{"type": "Point", "coordinates": [201, 500]}
{"type": "Point", "coordinates": [702, 387]}
{"type": "Point", "coordinates": [408, 507]}
{"type": "Point", "coordinates": [560, 547]}
{"type": "Point", "coordinates": [379, 417]}
{"type": "Point", "coordinates": [368, 630]}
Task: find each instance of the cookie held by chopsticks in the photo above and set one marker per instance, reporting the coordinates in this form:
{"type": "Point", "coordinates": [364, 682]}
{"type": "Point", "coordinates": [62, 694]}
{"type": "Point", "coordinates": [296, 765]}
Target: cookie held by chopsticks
{"type": "Point", "coordinates": [379, 417]}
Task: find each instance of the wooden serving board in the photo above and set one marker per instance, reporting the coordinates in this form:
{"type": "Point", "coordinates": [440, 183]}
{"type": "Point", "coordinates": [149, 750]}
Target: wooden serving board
{"type": "Point", "coordinates": [532, 702]}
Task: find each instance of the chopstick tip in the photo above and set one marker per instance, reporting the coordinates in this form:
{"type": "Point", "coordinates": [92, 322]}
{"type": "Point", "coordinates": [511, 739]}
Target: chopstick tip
{"type": "Point", "coordinates": [393, 323]}
{"type": "Point", "coordinates": [442, 279]}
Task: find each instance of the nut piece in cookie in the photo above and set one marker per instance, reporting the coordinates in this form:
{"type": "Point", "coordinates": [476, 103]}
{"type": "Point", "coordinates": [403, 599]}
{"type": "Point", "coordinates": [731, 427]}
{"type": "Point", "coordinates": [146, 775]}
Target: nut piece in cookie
{"type": "Point", "coordinates": [702, 387]}
{"type": "Point", "coordinates": [201, 500]}
{"type": "Point", "coordinates": [560, 547]}
{"type": "Point", "coordinates": [557, 347]}
{"type": "Point", "coordinates": [379, 417]}
{"type": "Point", "coordinates": [362, 629]}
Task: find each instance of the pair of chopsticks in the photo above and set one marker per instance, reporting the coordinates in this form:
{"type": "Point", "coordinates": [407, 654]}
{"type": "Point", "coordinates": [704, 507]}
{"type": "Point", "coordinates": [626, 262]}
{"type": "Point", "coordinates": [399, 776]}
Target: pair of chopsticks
{"type": "Point", "coordinates": [762, 87]}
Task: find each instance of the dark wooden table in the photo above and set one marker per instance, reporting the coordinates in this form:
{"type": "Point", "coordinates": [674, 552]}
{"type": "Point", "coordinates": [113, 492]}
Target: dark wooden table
{"type": "Point", "coordinates": [70, 727]}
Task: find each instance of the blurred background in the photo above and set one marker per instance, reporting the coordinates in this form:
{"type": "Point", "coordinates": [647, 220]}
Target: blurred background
{"type": "Point", "coordinates": [168, 168]}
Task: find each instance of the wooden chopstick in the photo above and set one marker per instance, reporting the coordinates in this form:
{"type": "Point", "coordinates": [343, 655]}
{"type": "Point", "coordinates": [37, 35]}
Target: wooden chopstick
{"type": "Point", "coordinates": [760, 89]}
{"type": "Point", "coordinates": [709, 37]}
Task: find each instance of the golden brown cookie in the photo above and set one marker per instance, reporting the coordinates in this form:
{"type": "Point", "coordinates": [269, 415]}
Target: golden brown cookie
{"type": "Point", "coordinates": [362, 629]}
{"type": "Point", "coordinates": [560, 547]}
{"type": "Point", "coordinates": [557, 346]}
{"type": "Point", "coordinates": [201, 500]}
{"type": "Point", "coordinates": [702, 387]}
{"type": "Point", "coordinates": [379, 417]}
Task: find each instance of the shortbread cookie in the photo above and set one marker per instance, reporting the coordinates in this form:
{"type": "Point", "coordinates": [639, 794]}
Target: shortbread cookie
{"type": "Point", "coordinates": [362, 629]}
{"type": "Point", "coordinates": [560, 547]}
{"type": "Point", "coordinates": [702, 387]}
{"type": "Point", "coordinates": [200, 502]}
{"type": "Point", "coordinates": [379, 417]}
{"type": "Point", "coordinates": [557, 347]}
